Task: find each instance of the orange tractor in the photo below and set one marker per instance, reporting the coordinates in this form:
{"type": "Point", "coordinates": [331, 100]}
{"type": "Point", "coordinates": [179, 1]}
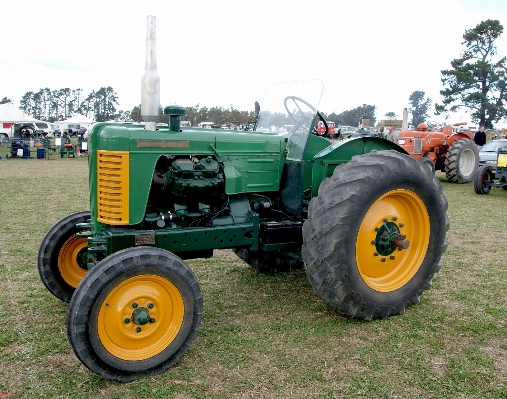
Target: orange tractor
{"type": "Point", "coordinates": [325, 130]}
{"type": "Point", "coordinates": [449, 150]}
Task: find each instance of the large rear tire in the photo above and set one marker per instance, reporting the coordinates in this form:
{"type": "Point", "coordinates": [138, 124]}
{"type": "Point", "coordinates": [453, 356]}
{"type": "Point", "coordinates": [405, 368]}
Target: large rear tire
{"type": "Point", "coordinates": [483, 177]}
{"type": "Point", "coordinates": [349, 250]}
{"type": "Point", "coordinates": [62, 260]}
{"type": "Point", "coordinates": [134, 314]}
{"type": "Point", "coordinates": [461, 161]}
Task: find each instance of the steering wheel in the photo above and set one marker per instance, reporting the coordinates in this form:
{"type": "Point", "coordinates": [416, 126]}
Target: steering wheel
{"type": "Point", "coordinates": [303, 116]}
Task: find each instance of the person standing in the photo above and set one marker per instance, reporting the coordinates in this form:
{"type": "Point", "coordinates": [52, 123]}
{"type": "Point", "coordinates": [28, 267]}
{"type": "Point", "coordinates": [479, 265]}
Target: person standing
{"type": "Point", "coordinates": [480, 136]}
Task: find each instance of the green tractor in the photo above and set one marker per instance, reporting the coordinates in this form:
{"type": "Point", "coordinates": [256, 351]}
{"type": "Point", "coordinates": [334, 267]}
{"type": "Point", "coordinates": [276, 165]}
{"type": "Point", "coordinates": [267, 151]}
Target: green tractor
{"type": "Point", "coordinates": [366, 221]}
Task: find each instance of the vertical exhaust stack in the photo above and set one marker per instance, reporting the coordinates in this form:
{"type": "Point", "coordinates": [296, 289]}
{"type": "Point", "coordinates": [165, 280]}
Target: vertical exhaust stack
{"type": "Point", "coordinates": [404, 124]}
{"type": "Point", "coordinates": [150, 82]}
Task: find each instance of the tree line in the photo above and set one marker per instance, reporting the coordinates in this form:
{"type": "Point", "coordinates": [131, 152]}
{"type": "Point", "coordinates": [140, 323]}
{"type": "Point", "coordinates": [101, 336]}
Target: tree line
{"type": "Point", "coordinates": [54, 105]}
{"type": "Point", "coordinates": [476, 82]}
{"type": "Point", "coordinates": [198, 114]}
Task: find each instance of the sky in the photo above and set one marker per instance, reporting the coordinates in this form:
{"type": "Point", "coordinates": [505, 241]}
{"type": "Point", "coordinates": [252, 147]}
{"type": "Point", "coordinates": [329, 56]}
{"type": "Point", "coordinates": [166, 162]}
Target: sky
{"type": "Point", "coordinates": [223, 53]}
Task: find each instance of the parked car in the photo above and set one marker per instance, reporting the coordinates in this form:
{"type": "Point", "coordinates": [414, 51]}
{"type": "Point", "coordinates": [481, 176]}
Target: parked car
{"type": "Point", "coordinates": [28, 130]}
{"type": "Point", "coordinates": [45, 127]}
{"type": "Point", "coordinates": [488, 152]}
{"type": "Point", "coordinates": [56, 130]}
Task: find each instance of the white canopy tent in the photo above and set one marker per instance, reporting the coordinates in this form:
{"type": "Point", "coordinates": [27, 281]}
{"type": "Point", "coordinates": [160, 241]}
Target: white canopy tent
{"type": "Point", "coordinates": [77, 119]}
{"type": "Point", "coordinates": [9, 116]}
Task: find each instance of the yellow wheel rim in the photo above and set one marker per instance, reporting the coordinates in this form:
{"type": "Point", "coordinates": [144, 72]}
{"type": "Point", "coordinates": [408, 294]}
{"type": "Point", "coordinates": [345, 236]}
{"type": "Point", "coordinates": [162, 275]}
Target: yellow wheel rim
{"type": "Point", "coordinates": [140, 317]}
{"type": "Point", "coordinates": [383, 267]}
{"type": "Point", "coordinates": [68, 260]}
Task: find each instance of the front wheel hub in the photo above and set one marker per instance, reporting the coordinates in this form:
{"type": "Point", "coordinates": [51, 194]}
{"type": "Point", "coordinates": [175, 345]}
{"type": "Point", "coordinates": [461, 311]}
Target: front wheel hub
{"type": "Point", "coordinates": [140, 316]}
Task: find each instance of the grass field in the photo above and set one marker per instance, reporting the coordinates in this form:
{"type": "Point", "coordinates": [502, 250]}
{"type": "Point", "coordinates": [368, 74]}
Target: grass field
{"type": "Point", "coordinates": [264, 336]}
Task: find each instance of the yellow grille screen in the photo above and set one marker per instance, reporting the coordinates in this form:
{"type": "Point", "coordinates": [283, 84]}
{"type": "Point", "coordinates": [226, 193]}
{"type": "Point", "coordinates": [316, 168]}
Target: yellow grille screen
{"type": "Point", "coordinates": [113, 187]}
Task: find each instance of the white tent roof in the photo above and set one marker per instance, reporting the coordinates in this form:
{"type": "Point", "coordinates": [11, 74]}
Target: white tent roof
{"type": "Point", "coordinates": [78, 118]}
{"type": "Point", "coordinates": [9, 113]}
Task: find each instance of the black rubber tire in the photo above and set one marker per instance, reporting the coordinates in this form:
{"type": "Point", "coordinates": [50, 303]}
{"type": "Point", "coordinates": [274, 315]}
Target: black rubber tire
{"type": "Point", "coordinates": [270, 262]}
{"type": "Point", "coordinates": [140, 266]}
{"type": "Point", "coordinates": [483, 176]}
{"type": "Point", "coordinates": [335, 216]}
{"type": "Point", "coordinates": [26, 132]}
{"type": "Point", "coordinates": [49, 252]}
{"type": "Point", "coordinates": [461, 161]}
{"type": "Point", "coordinates": [428, 163]}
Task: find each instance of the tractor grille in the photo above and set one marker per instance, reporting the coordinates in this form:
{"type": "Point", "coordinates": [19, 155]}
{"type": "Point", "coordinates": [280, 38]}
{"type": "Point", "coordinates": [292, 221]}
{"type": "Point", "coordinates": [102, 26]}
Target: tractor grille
{"type": "Point", "coordinates": [417, 145]}
{"type": "Point", "coordinates": [113, 187]}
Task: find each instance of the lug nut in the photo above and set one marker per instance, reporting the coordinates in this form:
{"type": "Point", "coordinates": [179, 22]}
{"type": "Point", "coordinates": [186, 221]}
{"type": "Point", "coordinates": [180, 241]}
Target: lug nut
{"type": "Point", "coordinates": [152, 320]}
{"type": "Point", "coordinates": [126, 320]}
{"type": "Point", "coordinates": [392, 257]}
{"type": "Point", "coordinates": [138, 329]}
{"type": "Point", "coordinates": [373, 242]}
{"type": "Point", "coordinates": [150, 306]}
{"type": "Point", "coordinates": [134, 305]}
{"type": "Point", "coordinates": [402, 224]}
{"type": "Point", "coordinates": [383, 259]}
{"type": "Point", "coordinates": [395, 219]}
{"type": "Point", "coordinates": [375, 253]}
{"type": "Point", "coordinates": [385, 220]}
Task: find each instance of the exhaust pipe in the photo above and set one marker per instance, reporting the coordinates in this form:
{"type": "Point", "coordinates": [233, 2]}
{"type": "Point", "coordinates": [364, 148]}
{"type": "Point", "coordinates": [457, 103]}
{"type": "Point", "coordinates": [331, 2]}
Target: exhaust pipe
{"type": "Point", "coordinates": [150, 82]}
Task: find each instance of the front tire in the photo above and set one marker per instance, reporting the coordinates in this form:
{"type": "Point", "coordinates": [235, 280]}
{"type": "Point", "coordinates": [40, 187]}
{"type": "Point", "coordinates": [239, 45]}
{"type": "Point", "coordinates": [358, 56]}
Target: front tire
{"type": "Point", "coordinates": [349, 238]}
{"type": "Point", "coordinates": [461, 161]}
{"type": "Point", "coordinates": [428, 163]}
{"type": "Point", "coordinates": [134, 314]}
{"type": "Point", "coordinates": [62, 258]}
{"type": "Point", "coordinates": [483, 177]}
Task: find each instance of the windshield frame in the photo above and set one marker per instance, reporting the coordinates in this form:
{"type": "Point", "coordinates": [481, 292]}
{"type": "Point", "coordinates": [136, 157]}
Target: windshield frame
{"type": "Point", "coordinates": [293, 104]}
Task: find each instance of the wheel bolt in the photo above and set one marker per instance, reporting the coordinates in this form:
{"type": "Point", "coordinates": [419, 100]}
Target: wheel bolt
{"type": "Point", "coordinates": [383, 259]}
{"type": "Point", "coordinates": [152, 320]}
{"type": "Point", "coordinates": [403, 236]}
{"type": "Point", "coordinates": [399, 249]}
{"type": "Point", "coordinates": [395, 219]}
{"type": "Point", "coordinates": [373, 242]}
{"type": "Point", "coordinates": [385, 220]}
{"type": "Point", "coordinates": [392, 257]}
{"type": "Point", "coordinates": [402, 224]}
{"type": "Point", "coordinates": [150, 305]}
{"type": "Point", "coordinates": [138, 329]}
{"type": "Point", "coordinates": [134, 305]}
{"type": "Point", "coordinates": [375, 253]}
{"type": "Point", "coordinates": [376, 229]}
{"type": "Point", "coordinates": [126, 320]}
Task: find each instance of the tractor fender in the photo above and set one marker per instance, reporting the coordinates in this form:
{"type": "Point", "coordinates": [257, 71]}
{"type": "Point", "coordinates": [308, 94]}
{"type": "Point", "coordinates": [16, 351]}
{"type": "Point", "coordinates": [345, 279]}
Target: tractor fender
{"type": "Point", "coordinates": [456, 136]}
{"type": "Point", "coordinates": [341, 152]}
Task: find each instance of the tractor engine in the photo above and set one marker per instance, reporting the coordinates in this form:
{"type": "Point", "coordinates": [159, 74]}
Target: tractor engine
{"type": "Point", "coordinates": [192, 177]}
{"type": "Point", "coordinates": [189, 189]}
